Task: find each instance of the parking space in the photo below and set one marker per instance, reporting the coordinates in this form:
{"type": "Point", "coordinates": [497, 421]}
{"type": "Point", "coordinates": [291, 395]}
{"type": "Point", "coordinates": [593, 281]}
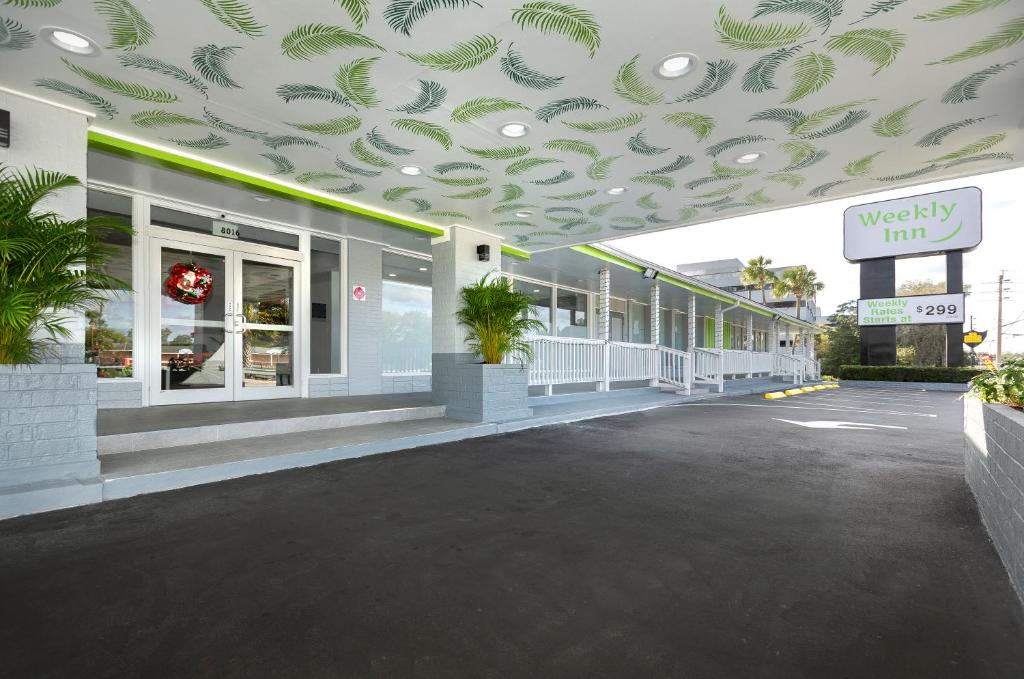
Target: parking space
{"type": "Point", "coordinates": [824, 535]}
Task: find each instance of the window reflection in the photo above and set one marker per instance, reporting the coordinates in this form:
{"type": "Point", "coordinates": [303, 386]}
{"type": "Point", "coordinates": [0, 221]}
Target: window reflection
{"type": "Point", "coordinates": [109, 325]}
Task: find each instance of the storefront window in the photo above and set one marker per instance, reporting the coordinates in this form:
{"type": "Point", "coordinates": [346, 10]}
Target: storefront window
{"type": "Point", "coordinates": [406, 309]}
{"type": "Point", "coordinates": [109, 326]}
{"type": "Point", "coordinates": [617, 320]}
{"type": "Point", "coordinates": [639, 323]}
{"type": "Point", "coordinates": [571, 314]}
{"type": "Point", "coordinates": [186, 221]}
{"type": "Point", "coordinates": [540, 303]}
{"type": "Point", "coordinates": [325, 304]}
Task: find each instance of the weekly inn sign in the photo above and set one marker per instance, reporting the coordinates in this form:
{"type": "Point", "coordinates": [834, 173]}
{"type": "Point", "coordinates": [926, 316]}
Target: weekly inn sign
{"type": "Point", "coordinates": [914, 226]}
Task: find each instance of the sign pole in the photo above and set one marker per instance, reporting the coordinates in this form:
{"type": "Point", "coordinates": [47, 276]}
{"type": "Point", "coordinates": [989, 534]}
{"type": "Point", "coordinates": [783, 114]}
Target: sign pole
{"type": "Point", "coordinates": [954, 331]}
{"type": "Point", "coordinates": [878, 343]}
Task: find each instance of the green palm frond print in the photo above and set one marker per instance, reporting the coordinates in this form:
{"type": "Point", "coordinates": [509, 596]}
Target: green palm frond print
{"type": "Point", "coordinates": [967, 88]}
{"type": "Point", "coordinates": [318, 177]}
{"type": "Point", "coordinates": [281, 164]}
{"type": "Point", "coordinates": [359, 150]}
{"type": "Point", "coordinates": [128, 28]}
{"type": "Point", "coordinates": [511, 192]}
{"type": "Point", "coordinates": [460, 181]}
{"type": "Point", "coordinates": [14, 36]}
{"type": "Point", "coordinates": [354, 187]}
{"type": "Point", "coordinates": [821, 12]}
{"type": "Point", "coordinates": [399, 192]}
{"type": "Point", "coordinates": [211, 63]}
{"type": "Point", "coordinates": [236, 15]}
{"type": "Point", "coordinates": [210, 142]}
{"type": "Point", "coordinates": [960, 9]}
{"type": "Point", "coordinates": [335, 126]}
{"type": "Point", "coordinates": [29, 4]}
{"type": "Point", "coordinates": [638, 144]}
{"type": "Point", "coordinates": [935, 137]}
{"type": "Point", "coordinates": [676, 165]}
{"type": "Point", "coordinates": [277, 141]}
{"type": "Point", "coordinates": [750, 36]}
{"type": "Point", "coordinates": [563, 176]}
{"type": "Point", "coordinates": [422, 204]}
{"type": "Point", "coordinates": [216, 121]}
{"type": "Point", "coordinates": [715, 149]}
{"type": "Point", "coordinates": [505, 208]}
{"type": "Point", "coordinates": [811, 73]}
{"type": "Point", "coordinates": [310, 40]}
{"type": "Point", "coordinates": [647, 202]}
{"type": "Point", "coordinates": [432, 95]}
{"type": "Point", "coordinates": [851, 119]}
{"type": "Point", "coordinates": [445, 168]}
{"type": "Point", "coordinates": [471, 195]}
{"type": "Point", "coordinates": [583, 148]}
{"type": "Point", "coordinates": [1008, 35]}
{"type": "Point", "coordinates": [422, 128]}
{"type": "Point", "coordinates": [300, 92]}
{"type": "Point", "coordinates": [823, 189]}
{"type": "Point", "coordinates": [983, 144]}
{"type": "Point", "coordinates": [515, 68]}
{"type": "Point", "coordinates": [599, 169]}
{"type": "Point", "coordinates": [701, 125]}
{"type": "Point", "coordinates": [862, 166]}
{"type": "Point", "coordinates": [158, 118]}
{"type": "Point", "coordinates": [95, 101]}
{"type": "Point", "coordinates": [484, 106]}
{"type": "Point", "coordinates": [461, 57]}
{"type": "Point", "coordinates": [761, 76]}
{"type": "Point", "coordinates": [353, 80]}
{"type": "Point", "coordinates": [136, 60]}
{"type": "Point", "coordinates": [527, 164]}
{"type": "Point", "coordinates": [500, 153]}
{"type": "Point", "coordinates": [579, 195]}
{"type": "Point", "coordinates": [601, 209]}
{"type": "Point", "coordinates": [879, 46]}
{"type": "Point", "coordinates": [358, 11]}
{"type": "Point", "coordinates": [454, 214]}
{"type": "Point", "coordinates": [793, 180]}
{"type": "Point", "coordinates": [616, 124]}
{"type": "Point", "coordinates": [982, 157]}
{"type": "Point", "coordinates": [801, 155]}
{"type": "Point", "coordinates": [402, 14]}
{"type": "Point", "coordinates": [718, 193]}
{"type": "Point", "coordinates": [124, 88]}
{"type": "Point", "coordinates": [578, 25]}
{"type": "Point", "coordinates": [895, 123]}
{"type": "Point", "coordinates": [822, 116]}
{"type": "Point", "coordinates": [379, 142]}
{"type": "Point", "coordinates": [717, 76]}
{"type": "Point", "coordinates": [552, 110]}
{"type": "Point", "coordinates": [658, 180]}
{"type": "Point", "coordinates": [632, 87]}
{"type": "Point", "coordinates": [879, 7]}
{"type": "Point", "coordinates": [912, 174]}
{"type": "Point", "coordinates": [759, 198]}
{"type": "Point", "coordinates": [345, 166]}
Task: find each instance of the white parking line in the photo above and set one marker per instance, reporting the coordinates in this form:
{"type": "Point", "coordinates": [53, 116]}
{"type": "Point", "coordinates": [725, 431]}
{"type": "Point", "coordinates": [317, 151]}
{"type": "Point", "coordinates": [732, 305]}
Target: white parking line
{"type": "Point", "coordinates": [765, 405]}
{"type": "Point", "coordinates": [854, 401]}
{"type": "Point", "coordinates": [852, 394]}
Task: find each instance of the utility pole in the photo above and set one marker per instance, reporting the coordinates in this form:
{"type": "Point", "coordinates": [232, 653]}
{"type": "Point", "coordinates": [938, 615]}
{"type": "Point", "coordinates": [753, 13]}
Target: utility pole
{"type": "Point", "coordinates": [999, 320]}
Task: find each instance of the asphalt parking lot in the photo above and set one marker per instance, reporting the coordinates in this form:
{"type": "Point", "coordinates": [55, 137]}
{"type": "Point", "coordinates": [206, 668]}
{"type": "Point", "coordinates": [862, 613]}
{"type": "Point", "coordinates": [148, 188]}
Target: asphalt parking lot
{"type": "Point", "coordinates": [825, 535]}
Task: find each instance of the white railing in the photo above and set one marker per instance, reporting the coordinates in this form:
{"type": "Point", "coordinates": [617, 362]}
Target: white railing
{"type": "Point", "coordinates": [788, 365]}
{"type": "Point", "coordinates": [735, 362]}
{"type": "Point", "coordinates": [812, 368]}
{"type": "Point", "coordinates": [675, 367]}
{"type": "Point", "coordinates": [761, 363]}
{"type": "Point", "coordinates": [565, 360]}
{"type": "Point", "coordinates": [708, 368]}
{"type": "Point", "coordinates": [629, 362]}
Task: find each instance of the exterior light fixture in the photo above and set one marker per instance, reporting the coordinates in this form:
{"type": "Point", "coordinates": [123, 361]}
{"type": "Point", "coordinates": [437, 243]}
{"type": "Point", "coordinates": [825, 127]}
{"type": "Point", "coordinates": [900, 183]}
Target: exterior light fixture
{"type": "Point", "coordinates": [261, 199]}
{"type": "Point", "coordinates": [650, 274]}
{"type": "Point", "coordinates": [423, 268]}
{"type": "Point", "coordinates": [676, 65]}
{"type": "Point", "coordinates": [616, 191]}
{"type": "Point", "coordinates": [69, 41]}
{"type": "Point", "coordinates": [748, 158]}
{"type": "Point", "coordinates": [514, 130]}
{"type": "Point", "coordinates": [392, 275]}
{"type": "Point", "coordinates": [523, 213]}
{"type": "Point", "coordinates": [411, 170]}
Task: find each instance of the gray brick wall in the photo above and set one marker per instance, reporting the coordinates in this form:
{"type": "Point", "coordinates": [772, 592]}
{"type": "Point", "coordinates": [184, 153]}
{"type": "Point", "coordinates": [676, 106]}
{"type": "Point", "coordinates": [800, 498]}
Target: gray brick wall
{"type": "Point", "coordinates": [405, 384]}
{"type": "Point", "coordinates": [118, 394]}
{"type": "Point", "coordinates": [994, 468]}
{"type": "Point", "coordinates": [479, 393]}
{"type": "Point", "coordinates": [47, 423]}
{"type": "Point", "coordinates": [365, 359]}
{"type": "Point", "coordinates": [323, 386]}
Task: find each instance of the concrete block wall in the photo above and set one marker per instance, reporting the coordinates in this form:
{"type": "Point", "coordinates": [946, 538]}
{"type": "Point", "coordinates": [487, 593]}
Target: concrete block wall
{"type": "Point", "coordinates": [119, 394]}
{"type": "Point", "coordinates": [994, 468]}
{"type": "Point", "coordinates": [405, 384]}
{"type": "Point", "coordinates": [324, 386]}
{"type": "Point", "coordinates": [475, 392]}
{"type": "Point", "coordinates": [365, 319]}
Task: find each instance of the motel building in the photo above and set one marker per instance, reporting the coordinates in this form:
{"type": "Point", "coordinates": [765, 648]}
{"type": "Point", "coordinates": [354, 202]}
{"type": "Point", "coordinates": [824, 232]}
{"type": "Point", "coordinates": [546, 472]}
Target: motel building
{"type": "Point", "coordinates": [305, 214]}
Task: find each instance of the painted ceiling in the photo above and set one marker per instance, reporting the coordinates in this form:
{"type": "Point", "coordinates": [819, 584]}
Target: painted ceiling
{"type": "Point", "coordinates": [842, 97]}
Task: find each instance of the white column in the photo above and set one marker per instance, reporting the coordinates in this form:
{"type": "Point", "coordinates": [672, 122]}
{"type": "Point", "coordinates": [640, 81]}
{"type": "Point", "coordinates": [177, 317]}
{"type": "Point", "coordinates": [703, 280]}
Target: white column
{"type": "Point", "coordinates": [655, 328]}
{"type": "Point", "coordinates": [719, 327]}
{"type": "Point", "coordinates": [691, 324]}
{"type": "Point", "coordinates": [773, 341]}
{"type": "Point", "coordinates": [604, 323]}
{"type": "Point", "coordinates": [750, 344]}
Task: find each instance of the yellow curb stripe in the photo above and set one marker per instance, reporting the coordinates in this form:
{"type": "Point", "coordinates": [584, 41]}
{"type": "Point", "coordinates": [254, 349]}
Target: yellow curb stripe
{"type": "Point", "coordinates": [774, 395]}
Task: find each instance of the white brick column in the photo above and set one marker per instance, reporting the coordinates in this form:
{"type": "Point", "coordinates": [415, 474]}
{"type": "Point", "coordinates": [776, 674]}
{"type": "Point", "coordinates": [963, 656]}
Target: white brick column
{"type": "Point", "coordinates": [691, 323]}
{"type": "Point", "coordinates": [604, 322]}
{"type": "Point", "coordinates": [656, 327]}
{"type": "Point", "coordinates": [455, 264]}
{"type": "Point", "coordinates": [719, 327]}
{"type": "Point", "coordinates": [749, 343]}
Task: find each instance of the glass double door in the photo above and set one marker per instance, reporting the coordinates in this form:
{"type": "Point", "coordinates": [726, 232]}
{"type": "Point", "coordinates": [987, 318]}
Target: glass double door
{"type": "Point", "coordinates": [224, 325]}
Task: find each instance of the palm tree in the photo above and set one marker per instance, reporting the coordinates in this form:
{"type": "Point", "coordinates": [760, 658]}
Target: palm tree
{"type": "Point", "coordinates": [757, 274]}
{"type": "Point", "coordinates": [50, 269]}
{"type": "Point", "coordinates": [800, 282]}
{"type": "Point", "coordinates": [498, 318]}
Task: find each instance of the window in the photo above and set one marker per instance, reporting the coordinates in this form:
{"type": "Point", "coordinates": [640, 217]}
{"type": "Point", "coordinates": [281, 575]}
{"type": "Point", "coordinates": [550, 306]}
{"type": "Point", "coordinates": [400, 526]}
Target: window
{"type": "Point", "coordinates": [617, 320]}
{"type": "Point", "coordinates": [540, 303]}
{"type": "Point", "coordinates": [109, 326]}
{"type": "Point", "coordinates": [184, 221]}
{"type": "Point", "coordinates": [673, 329]}
{"type": "Point", "coordinates": [639, 323]}
{"type": "Point", "coordinates": [325, 304]}
{"type": "Point", "coordinates": [571, 317]}
{"type": "Point", "coordinates": [406, 307]}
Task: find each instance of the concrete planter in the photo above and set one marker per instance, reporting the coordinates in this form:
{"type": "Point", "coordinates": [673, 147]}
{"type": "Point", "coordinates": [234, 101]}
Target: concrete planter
{"type": "Point", "coordinates": [479, 392]}
{"type": "Point", "coordinates": [47, 437]}
{"type": "Point", "coordinates": [994, 468]}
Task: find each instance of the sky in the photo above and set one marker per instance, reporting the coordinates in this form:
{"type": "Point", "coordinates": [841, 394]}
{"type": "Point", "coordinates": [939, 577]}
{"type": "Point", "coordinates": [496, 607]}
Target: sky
{"type": "Point", "coordinates": [813, 235]}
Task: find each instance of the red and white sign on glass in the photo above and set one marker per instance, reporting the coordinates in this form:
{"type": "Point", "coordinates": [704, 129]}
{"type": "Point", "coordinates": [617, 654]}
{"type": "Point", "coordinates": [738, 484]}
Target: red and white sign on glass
{"type": "Point", "coordinates": [359, 293]}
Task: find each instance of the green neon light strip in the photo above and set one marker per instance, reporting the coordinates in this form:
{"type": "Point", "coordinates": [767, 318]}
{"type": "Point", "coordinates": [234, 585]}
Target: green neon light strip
{"type": "Point", "coordinates": [105, 142]}
{"type": "Point", "coordinates": [514, 252]}
{"type": "Point", "coordinates": [614, 259]}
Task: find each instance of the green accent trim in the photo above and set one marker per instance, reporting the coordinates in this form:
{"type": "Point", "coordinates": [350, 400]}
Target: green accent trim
{"type": "Point", "coordinates": [606, 256]}
{"type": "Point", "coordinates": [514, 252]}
{"type": "Point", "coordinates": [727, 335]}
{"type": "Point", "coordinates": [708, 341]}
{"type": "Point", "coordinates": [110, 144]}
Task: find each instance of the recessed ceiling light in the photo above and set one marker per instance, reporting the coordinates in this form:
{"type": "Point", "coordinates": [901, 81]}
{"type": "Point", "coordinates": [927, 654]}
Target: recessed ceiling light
{"type": "Point", "coordinates": [616, 191]}
{"type": "Point", "coordinates": [676, 65]}
{"type": "Point", "coordinates": [536, 289]}
{"type": "Point", "coordinates": [69, 41]}
{"type": "Point", "coordinates": [514, 130]}
{"type": "Point", "coordinates": [423, 268]}
{"type": "Point", "coordinates": [748, 158]}
{"type": "Point", "coordinates": [261, 199]}
{"type": "Point", "coordinates": [392, 275]}
{"type": "Point", "coordinates": [410, 170]}
{"type": "Point", "coordinates": [523, 213]}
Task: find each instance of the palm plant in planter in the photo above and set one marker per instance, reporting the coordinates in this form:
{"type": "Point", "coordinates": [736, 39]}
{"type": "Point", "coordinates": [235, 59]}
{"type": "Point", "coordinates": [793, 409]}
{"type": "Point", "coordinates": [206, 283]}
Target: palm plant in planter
{"type": "Point", "coordinates": [498, 318]}
{"type": "Point", "coordinates": [50, 268]}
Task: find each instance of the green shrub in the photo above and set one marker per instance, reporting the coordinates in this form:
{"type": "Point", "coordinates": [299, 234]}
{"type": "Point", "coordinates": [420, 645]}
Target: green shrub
{"type": "Point", "coordinates": [1004, 385]}
{"type": "Point", "coordinates": [906, 373]}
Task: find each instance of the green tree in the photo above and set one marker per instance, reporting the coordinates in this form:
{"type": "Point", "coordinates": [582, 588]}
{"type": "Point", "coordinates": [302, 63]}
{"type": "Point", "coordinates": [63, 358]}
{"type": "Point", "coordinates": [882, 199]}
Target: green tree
{"type": "Point", "coordinates": [920, 344]}
{"type": "Point", "coordinates": [756, 274]}
{"type": "Point", "coordinates": [498, 318]}
{"type": "Point", "coordinates": [51, 269]}
{"type": "Point", "coordinates": [840, 343]}
{"type": "Point", "coordinates": [800, 282]}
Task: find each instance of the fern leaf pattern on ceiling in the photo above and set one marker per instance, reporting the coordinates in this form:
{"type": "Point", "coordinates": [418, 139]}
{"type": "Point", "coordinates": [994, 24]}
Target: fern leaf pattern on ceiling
{"type": "Point", "coordinates": [841, 97]}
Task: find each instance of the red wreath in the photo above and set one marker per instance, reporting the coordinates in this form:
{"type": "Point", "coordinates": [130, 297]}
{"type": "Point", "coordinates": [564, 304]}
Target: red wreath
{"type": "Point", "coordinates": [189, 283]}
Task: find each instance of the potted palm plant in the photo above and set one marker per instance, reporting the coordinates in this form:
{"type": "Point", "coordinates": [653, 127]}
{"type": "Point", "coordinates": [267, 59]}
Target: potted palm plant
{"type": "Point", "coordinates": [477, 386]}
{"type": "Point", "coordinates": [51, 269]}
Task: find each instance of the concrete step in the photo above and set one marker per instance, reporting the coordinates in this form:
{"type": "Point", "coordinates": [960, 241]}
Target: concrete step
{"type": "Point", "coordinates": [168, 468]}
{"type": "Point", "coordinates": [132, 442]}
{"type": "Point", "coordinates": [576, 397]}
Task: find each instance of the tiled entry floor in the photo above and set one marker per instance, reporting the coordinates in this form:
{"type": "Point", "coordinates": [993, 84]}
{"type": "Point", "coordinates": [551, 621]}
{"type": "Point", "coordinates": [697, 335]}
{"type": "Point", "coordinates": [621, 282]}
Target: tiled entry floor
{"type": "Point", "coordinates": [158, 418]}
